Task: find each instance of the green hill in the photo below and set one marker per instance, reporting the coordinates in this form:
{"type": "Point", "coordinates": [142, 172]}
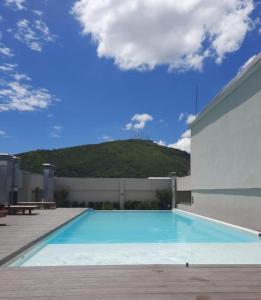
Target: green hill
{"type": "Point", "coordinates": [126, 158]}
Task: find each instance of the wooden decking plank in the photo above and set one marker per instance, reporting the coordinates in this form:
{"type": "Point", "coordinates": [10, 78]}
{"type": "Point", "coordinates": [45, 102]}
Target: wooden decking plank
{"type": "Point", "coordinates": [21, 230]}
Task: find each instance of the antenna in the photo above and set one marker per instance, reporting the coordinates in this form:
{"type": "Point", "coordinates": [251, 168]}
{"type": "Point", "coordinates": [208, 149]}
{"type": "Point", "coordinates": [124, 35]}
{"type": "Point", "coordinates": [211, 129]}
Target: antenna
{"type": "Point", "coordinates": [196, 100]}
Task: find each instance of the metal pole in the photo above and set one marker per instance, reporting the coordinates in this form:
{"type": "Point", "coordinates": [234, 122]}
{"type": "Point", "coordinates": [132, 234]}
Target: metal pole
{"type": "Point", "coordinates": [172, 175]}
{"type": "Point", "coordinates": [196, 100]}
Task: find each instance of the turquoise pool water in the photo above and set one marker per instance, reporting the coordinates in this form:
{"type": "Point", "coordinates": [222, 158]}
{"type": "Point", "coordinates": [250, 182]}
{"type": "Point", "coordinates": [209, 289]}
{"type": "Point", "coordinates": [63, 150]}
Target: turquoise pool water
{"type": "Point", "coordinates": [137, 237]}
{"type": "Point", "coordinates": [147, 227]}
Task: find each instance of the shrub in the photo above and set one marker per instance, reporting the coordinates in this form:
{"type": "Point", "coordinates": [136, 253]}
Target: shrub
{"type": "Point", "coordinates": [82, 204]}
{"type": "Point", "coordinates": [91, 204]}
{"type": "Point", "coordinates": [131, 204]}
{"type": "Point", "coordinates": [61, 197]}
{"type": "Point", "coordinates": [165, 198]}
{"type": "Point", "coordinates": [107, 205]}
{"type": "Point", "coordinates": [154, 205]}
{"type": "Point", "coordinates": [146, 205]}
{"type": "Point", "coordinates": [116, 205]}
{"type": "Point", "coordinates": [98, 205]}
{"type": "Point", "coordinates": [141, 205]}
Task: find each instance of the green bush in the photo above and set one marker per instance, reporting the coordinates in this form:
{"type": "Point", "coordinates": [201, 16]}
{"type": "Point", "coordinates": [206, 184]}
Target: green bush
{"type": "Point", "coordinates": [91, 204]}
{"type": "Point", "coordinates": [154, 205]}
{"type": "Point", "coordinates": [61, 197]}
{"type": "Point", "coordinates": [141, 205]}
{"type": "Point", "coordinates": [107, 205]}
{"type": "Point", "coordinates": [131, 204]}
{"type": "Point", "coordinates": [98, 205]}
{"type": "Point", "coordinates": [165, 198]}
{"type": "Point", "coordinates": [116, 205]}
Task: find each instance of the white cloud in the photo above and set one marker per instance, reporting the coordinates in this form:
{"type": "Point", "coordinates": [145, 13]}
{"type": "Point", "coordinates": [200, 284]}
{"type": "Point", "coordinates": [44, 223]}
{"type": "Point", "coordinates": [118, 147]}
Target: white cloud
{"type": "Point", "coordinates": [190, 118]}
{"type": "Point", "coordinates": [180, 34]}
{"type": "Point", "coordinates": [106, 138]}
{"type": "Point", "coordinates": [38, 12]}
{"type": "Point", "coordinates": [56, 131]}
{"type": "Point", "coordinates": [19, 77]}
{"type": "Point", "coordinates": [186, 134]}
{"type": "Point", "coordinates": [34, 34]}
{"type": "Point", "coordinates": [183, 143]}
{"type": "Point", "coordinates": [139, 121]}
{"type": "Point", "coordinates": [8, 68]}
{"type": "Point", "coordinates": [5, 51]}
{"type": "Point", "coordinates": [181, 116]}
{"type": "Point", "coordinates": [16, 93]}
{"type": "Point", "coordinates": [18, 4]}
{"type": "Point", "coordinates": [246, 64]}
{"type": "Point", "coordinates": [2, 133]}
{"type": "Point", "coordinates": [161, 143]}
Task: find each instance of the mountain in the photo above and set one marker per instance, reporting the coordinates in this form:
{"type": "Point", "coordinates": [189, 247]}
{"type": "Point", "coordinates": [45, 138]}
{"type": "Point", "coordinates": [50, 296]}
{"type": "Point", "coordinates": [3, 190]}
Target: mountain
{"type": "Point", "coordinates": [124, 158]}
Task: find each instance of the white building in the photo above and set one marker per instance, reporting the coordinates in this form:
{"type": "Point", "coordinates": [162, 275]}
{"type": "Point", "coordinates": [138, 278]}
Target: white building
{"type": "Point", "coordinates": [225, 176]}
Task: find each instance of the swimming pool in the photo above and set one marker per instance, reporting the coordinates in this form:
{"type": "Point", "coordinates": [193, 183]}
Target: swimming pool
{"type": "Point", "coordinates": [143, 237]}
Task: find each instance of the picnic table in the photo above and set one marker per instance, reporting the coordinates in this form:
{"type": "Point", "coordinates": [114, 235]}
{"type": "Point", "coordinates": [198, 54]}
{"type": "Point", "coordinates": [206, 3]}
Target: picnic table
{"type": "Point", "coordinates": [44, 205]}
{"type": "Point", "coordinates": [14, 209]}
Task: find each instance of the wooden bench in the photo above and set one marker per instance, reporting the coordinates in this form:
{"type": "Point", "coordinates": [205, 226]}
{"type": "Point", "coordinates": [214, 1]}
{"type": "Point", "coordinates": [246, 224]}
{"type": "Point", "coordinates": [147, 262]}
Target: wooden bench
{"type": "Point", "coordinates": [14, 209]}
{"type": "Point", "coordinates": [44, 205]}
{"type": "Point", "coordinates": [3, 213]}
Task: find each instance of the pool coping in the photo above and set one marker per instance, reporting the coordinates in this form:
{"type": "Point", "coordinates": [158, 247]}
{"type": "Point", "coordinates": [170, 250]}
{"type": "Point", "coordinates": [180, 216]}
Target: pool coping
{"type": "Point", "coordinates": [16, 254]}
{"type": "Point", "coordinates": [255, 232]}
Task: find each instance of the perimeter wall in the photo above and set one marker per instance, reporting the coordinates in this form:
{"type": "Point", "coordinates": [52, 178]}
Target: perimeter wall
{"type": "Point", "coordinates": [112, 189]}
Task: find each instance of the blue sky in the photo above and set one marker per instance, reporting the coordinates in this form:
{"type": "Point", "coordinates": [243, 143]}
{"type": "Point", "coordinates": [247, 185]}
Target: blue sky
{"type": "Point", "coordinates": [88, 71]}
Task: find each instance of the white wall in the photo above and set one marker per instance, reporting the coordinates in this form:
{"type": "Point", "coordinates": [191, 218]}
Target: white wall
{"type": "Point", "coordinates": [226, 142]}
{"type": "Point", "coordinates": [239, 207]}
{"type": "Point", "coordinates": [108, 189]}
{"type": "Point", "coordinates": [226, 154]}
{"type": "Point", "coordinates": [184, 183]}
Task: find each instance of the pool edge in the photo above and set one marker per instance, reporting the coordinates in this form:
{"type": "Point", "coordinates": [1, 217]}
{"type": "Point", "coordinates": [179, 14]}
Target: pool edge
{"type": "Point", "coordinates": [255, 232]}
{"type": "Point", "coordinates": [6, 261]}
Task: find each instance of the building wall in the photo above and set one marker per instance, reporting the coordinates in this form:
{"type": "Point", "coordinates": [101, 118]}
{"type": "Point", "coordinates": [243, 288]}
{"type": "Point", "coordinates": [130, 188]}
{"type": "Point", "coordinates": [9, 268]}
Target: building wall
{"type": "Point", "coordinates": [226, 142]}
{"type": "Point", "coordinates": [184, 183]}
{"type": "Point", "coordinates": [225, 156]}
{"type": "Point", "coordinates": [111, 189]}
{"type": "Point", "coordinates": [239, 207]}
{"type": "Point", "coordinates": [29, 181]}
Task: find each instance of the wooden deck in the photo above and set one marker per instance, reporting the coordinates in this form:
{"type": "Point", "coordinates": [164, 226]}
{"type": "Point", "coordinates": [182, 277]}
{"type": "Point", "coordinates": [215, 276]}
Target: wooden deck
{"type": "Point", "coordinates": [131, 283]}
{"type": "Point", "coordinates": [22, 230]}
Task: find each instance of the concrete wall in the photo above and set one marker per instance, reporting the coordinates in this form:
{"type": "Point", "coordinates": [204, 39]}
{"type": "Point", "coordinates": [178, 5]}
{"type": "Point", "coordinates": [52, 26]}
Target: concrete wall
{"type": "Point", "coordinates": [184, 183]}
{"type": "Point", "coordinates": [29, 181]}
{"type": "Point", "coordinates": [111, 189]}
{"type": "Point", "coordinates": [239, 207]}
{"type": "Point", "coordinates": [226, 154]}
{"type": "Point", "coordinates": [226, 142]}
